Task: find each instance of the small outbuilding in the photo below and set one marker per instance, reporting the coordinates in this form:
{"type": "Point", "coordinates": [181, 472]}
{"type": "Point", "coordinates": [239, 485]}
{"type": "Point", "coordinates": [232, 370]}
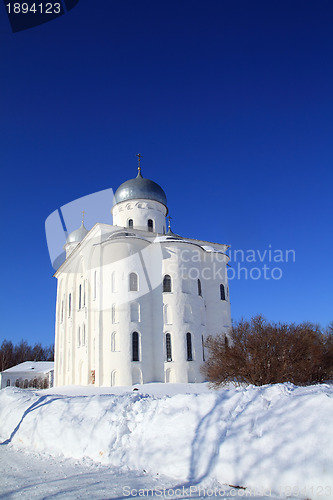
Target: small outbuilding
{"type": "Point", "coordinates": [30, 374]}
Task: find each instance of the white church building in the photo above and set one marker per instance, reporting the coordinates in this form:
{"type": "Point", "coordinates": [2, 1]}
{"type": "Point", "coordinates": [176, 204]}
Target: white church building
{"type": "Point", "coordinates": [135, 302]}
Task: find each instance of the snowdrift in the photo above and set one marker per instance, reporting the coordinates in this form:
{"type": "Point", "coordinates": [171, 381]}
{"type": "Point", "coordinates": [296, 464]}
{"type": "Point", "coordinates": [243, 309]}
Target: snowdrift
{"type": "Point", "coordinates": [277, 438]}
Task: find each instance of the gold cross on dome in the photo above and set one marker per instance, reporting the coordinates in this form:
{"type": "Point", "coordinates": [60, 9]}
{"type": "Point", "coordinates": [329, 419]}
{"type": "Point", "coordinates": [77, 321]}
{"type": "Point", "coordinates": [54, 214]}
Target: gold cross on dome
{"type": "Point", "coordinates": [139, 161]}
{"type": "Point", "coordinates": [169, 218]}
{"type": "Point", "coordinates": [83, 214]}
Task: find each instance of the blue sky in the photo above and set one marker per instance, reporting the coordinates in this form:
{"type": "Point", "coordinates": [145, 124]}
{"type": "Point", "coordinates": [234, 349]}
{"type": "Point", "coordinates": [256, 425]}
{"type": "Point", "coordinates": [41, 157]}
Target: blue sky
{"type": "Point", "coordinates": [230, 104]}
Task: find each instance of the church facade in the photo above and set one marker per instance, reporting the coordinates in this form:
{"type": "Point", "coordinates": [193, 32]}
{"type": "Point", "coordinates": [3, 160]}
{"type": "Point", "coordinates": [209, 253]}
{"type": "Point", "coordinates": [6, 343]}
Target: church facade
{"type": "Point", "coordinates": [135, 302]}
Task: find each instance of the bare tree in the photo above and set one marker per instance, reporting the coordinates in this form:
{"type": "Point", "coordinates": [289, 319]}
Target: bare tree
{"type": "Point", "coordinates": [267, 353]}
{"type": "Point", "coordinates": [11, 355]}
{"type": "Point", "coordinates": [6, 355]}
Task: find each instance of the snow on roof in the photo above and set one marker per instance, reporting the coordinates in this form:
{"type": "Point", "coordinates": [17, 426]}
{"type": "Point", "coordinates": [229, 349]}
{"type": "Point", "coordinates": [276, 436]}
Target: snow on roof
{"type": "Point", "coordinates": [32, 366]}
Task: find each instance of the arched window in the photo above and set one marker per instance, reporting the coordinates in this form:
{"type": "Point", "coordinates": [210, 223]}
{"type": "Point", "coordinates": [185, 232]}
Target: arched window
{"type": "Point", "coordinates": [80, 296]}
{"type": "Point", "coordinates": [114, 378]}
{"type": "Point", "coordinates": [167, 283]}
{"type": "Point", "coordinates": [8, 382]}
{"type": "Point", "coordinates": [168, 347]}
{"type": "Point", "coordinates": [189, 347]}
{"type": "Point", "coordinates": [26, 383]}
{"type": "Point", "coordinates": [150, 225]}
{"type": "Point", "coordinates": [133, 282]}
{"type": "Point", "coordinates": [222, 292]}
{"type": "Point", "coordinates": [114, 342]}
{"type": "Point", "coordinates": [17, 383]}
{"type": "Point", "coordinates": [226, 341]}
{"type": "Point", "coordinates": [135, 346]}
{"type": "Point", "coordinates": [199, 288]}
{"type": "Point", "coordinates": [130, 222]}
{"type": "Point", "coordinates": [69, 305]}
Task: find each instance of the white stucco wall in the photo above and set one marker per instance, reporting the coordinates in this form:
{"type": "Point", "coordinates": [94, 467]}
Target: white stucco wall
{"type": "Point", "coordinates": [101, 264]}
{"type": "Point", "coordinates": [140, 211]}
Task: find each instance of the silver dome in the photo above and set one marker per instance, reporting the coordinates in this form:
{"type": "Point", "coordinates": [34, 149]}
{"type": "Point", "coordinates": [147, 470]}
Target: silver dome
{"type": "Point", "coordinates": [140, 188]}
{"type": "Point", "coordinates": [77, 235]}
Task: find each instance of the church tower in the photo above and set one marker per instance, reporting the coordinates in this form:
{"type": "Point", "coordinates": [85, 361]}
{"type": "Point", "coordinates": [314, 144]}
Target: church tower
{"type": "Point", "coordinates": [140, 204]}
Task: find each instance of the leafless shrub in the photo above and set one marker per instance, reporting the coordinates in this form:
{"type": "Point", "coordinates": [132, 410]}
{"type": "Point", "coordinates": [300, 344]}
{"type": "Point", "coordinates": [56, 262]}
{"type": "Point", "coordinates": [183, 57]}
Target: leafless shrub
{"type": "Point", "coordinates": [268, 353]}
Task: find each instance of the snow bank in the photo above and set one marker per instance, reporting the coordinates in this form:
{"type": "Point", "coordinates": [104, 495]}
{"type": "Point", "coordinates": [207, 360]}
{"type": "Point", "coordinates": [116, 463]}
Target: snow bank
{"type": "Point", "coordinates": [277, 438]}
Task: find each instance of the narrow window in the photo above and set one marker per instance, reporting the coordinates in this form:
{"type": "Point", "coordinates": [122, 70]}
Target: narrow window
{"type": "Point", "coordinates": [189, 347]}
{"type": "Point", "coordinates": [222, 292]}
{"type": "Point", "coordinates": [150, 225]}
{"type": "Point", "coordinates": [80, 296]}
{"type": "Point", "coordinates": [135, 346]}
{"type": "Point", "coordinates": [8, 382]}
{"type": "Point", "coordinates": [133, 282]}
{"type": "Point", "coordinates": [62, 312]}
{"type": "Point", "coordinates": [84, 293]}
{"type": "Point", "coordinates": [168, 347]}
{"type": "Point", "coordinates": [114, 346]}
{"type": "Point", "coordinates": [26, 383]}
{"type": "Point", "coordinates": [199, 288]}
{"type": "Point", "coordinates": [226, 341]}
{"type": "Point", "coordinates": [203, 348]}
{"type": "Point", "coordinates": [79, 337]}
{"type": "Point", "coordinates": [69, 305]}
{"type": "Point", "coordinates": [167, 283]}
{"type": "Point", "coordinates": [113, 378]}
{"type": "Point", "coordinates": [17, 383]}
{"type": "Point", "coordinates": [130, 222]}
{"type": "Point", "coordinates": [84, 335]}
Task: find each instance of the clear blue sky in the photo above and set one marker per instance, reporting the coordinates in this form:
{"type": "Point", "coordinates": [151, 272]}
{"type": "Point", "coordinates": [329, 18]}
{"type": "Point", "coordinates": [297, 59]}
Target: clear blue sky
{"type": "Point", "coordinates": [229, 102]}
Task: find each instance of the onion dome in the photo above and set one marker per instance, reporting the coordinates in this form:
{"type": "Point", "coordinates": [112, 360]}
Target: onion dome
{"type": "Point", "coordinates": [140, 188]}
{"type": "Point", "coordinates": [77, 235]}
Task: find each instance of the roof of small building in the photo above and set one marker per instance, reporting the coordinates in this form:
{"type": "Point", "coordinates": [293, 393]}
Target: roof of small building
{"type": "Point", "coordinates": [32, 367]}
{"type": "Point", "coordinates": [140, 188]}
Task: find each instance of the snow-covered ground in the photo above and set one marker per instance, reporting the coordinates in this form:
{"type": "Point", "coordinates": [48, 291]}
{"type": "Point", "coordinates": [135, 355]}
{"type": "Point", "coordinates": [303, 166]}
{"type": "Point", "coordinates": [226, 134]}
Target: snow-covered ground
{"type": "Point", "coordinates": [72, 442]}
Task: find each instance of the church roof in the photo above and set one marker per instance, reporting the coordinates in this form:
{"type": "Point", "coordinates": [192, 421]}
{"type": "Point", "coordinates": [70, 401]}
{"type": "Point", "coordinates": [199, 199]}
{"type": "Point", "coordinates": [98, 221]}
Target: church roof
{"type": "Point", "coordinates": [77, 235]}
{"type": "Point", "coordinates": [140, 188]}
